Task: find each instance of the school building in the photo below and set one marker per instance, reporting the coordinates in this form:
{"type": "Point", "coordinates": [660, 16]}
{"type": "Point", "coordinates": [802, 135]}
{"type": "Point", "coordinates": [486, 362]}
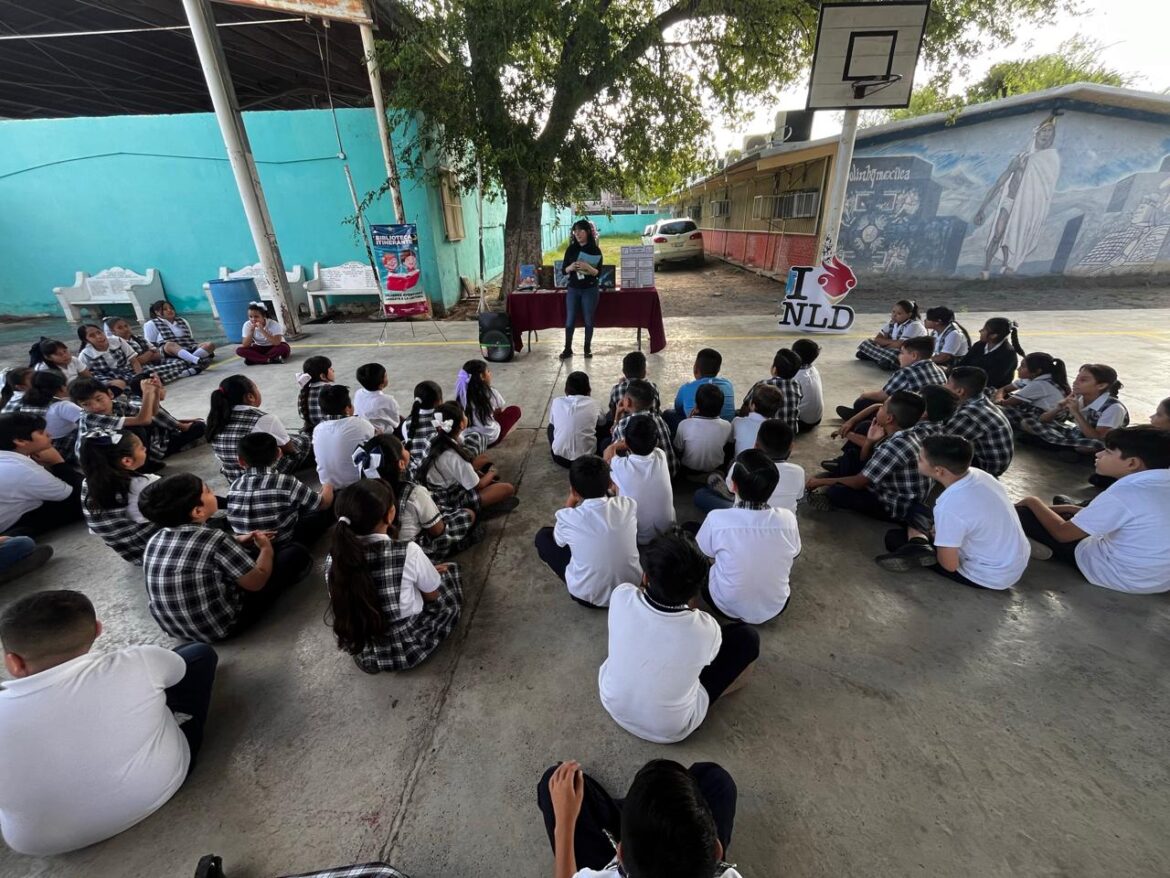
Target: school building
{"type": "Point", "coordinates": [1070, 181]}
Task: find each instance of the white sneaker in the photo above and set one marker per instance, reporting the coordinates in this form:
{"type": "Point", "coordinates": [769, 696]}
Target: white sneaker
{"type": "Point", "coordinates": [1040, 552]}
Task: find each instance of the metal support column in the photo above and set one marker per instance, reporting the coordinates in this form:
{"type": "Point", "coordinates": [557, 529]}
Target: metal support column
{"type": "Point", "coordinates": [841, 166]}
{"type": "Point", "coordinates": [383, 125]}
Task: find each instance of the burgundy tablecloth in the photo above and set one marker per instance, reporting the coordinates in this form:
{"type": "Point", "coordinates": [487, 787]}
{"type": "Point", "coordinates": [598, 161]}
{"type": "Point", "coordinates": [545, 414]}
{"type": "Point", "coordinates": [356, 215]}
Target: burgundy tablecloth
{"type": "Point", "coordinates": [633, 308]}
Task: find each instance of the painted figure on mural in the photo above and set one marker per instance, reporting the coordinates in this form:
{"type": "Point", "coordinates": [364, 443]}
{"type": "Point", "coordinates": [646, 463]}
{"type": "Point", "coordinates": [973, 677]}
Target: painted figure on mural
{"type": "Point", "coordinates": [1139, 243]}
{"type": "Point", "coordinates": [1025, 191]}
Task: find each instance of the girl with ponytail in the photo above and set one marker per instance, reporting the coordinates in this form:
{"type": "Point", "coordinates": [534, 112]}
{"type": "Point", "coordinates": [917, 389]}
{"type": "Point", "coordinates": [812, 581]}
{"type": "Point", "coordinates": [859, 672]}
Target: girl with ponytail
{"type": "Point", "coordinates": [418, 429]}
{"type": "Point", "coordinates": [48, 397]}
{"type": "Point", "coordinates": [449, 473]}
{"type": "Point", "coordinates": [52, 355]}
{"type": "Point", "coordinates": [905, 322]}
{"type": "Point", "coordinates": [1042, 384]}
{"type": "Point", "coordinates": [1081, 420]}
{"type": "Point", "coordinates": [109, 494]}
{"type": "Point", "coordinates": [167, 368]}
{"type": "Point", "coordinates": [389, 606]}
{"type": "Point", "coordinates": [440, 533]}
{"type": "Point", "coordinates": [487, 413]}
{"type": "Point", "coordinates": [996, 351]}
{"type": "Point", "coordinates": [316, 375]}
{"type": "Point", "coordinates": [951, 340]}
{"type": "Point", "coordinates": [16, 380]}
{"type": "Point", "coordinates": [235, 412]}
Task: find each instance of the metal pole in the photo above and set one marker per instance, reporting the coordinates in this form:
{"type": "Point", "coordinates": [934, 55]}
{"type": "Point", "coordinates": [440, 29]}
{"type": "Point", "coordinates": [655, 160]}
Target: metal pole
{"type": "Point", "coordinates": [239, 150]}
{"type": "Point", "coordinates": [840, 184]}
{"type": "Point", "coordinates": [383, 127]}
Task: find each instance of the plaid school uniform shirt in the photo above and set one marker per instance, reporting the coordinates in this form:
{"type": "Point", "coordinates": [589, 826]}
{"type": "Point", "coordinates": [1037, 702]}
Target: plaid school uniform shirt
{"type": "Point", "coordinates": [418, 443]}
{"type": "Point", "coordinates": [191, 574]}
{"type": "Point", "coordinates": [359, 870]}
{"type": "Point", "coordinates": [117, 529]}
{"type": "Point", "coordinates": [1068, 434]}
{"type": "Point", "coordinates": [893, 474]}
{"type": "Point", "coordinates": [792, 395]}
{"type": "Point", "coordinates": [178, 331]}
{"type": "Point", "coordinates": [619, 390]}
{"type": "Point", "coordinates": [406, 642]}
{"type": "Point", "coordinates": [112, 364]}
{"type": "Point", "coordinates": [313, 404]}
{"type": "Point", "coordinates": [665, 440]}
{"type": "Point", "coordinates": [917, 375]}
{"type": "Point", "coordinates": [159, 431]}
{"type": "Point", "coordinates": [169, 369]}
{"type": "Point", "coordinates": [984, 424]}
{"type": "Point", "coordinates": [242, 422]}
{"type": "Point", "coordinates": [264, 499]}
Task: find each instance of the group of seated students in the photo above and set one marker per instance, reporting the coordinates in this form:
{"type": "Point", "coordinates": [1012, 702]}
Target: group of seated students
{"type": "Point", "coordinates": [401, 495]}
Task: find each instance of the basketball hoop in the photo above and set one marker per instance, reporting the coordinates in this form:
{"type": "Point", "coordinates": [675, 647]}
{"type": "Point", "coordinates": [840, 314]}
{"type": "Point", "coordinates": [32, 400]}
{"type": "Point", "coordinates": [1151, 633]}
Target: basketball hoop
{"type": "Point", "coordinates": [863, 88]}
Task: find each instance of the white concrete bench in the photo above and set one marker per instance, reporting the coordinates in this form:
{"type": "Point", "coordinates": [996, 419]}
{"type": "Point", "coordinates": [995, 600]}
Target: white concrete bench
{"type": "Point", "coordinates": [113, 286]}
{"type": "Point", "coordinates": [347, 279]}
{"type": "Point", "coordinates": [296, 285]}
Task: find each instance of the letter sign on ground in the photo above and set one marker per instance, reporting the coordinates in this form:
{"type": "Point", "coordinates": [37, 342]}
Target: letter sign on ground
{"type": "Point", "coordinates": [812, 299]}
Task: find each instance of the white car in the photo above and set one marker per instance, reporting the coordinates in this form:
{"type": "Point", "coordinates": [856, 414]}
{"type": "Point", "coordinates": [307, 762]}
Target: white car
{"type": "Point", "coordinates": [675, 240]}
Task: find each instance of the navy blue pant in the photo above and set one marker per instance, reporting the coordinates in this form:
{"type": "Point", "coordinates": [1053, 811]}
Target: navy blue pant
{"type": "Point", "coordinates": [584, 299]}
{"type": "Point", "coordinates": [557, 558]}
{"type": "Point", "coordinates": [192, 694]}
{"type": "Point", "coordinates": [601, 813]}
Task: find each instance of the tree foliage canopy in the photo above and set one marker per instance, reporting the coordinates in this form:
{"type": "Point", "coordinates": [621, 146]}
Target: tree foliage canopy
{"type": "Point", "coordinates": [1074, 61]}
{"type": "Point", "coordinates": [593, 94]}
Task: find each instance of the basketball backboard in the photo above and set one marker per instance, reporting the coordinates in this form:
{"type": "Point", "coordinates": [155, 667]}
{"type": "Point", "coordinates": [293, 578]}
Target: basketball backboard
{"type": "Point", "coordinates": [866, 54]}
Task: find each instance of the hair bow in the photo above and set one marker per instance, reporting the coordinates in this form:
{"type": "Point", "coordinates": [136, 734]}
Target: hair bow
{"type": "Point", "coordinates": [343, 519]}
{"type": "Point", "coordinates": [368, 461]}
{"type": "Point", "coordinates": [102, 437]}
{"type": "Point", "coordinates": [303, 378]}
{"type": "Point", "coordinates": [461, 382]}
{"type": "Point", "coordinates": [443, 425]}
{"type": "Point", "coordinates": [259, 305]}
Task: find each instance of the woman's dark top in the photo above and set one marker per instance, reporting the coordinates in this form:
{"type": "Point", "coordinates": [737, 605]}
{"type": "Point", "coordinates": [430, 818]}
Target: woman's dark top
{"type": "Point", "coordinates": [1000, 364]}
{"type": "Point", "coordinates": [590, 280]}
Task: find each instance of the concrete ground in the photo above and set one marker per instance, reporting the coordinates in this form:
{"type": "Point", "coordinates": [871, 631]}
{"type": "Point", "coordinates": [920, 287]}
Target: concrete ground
{"type": "Point", "coordinates": [895, 725]}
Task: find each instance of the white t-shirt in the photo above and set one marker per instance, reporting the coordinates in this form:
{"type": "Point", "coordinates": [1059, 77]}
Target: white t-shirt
{"type": "Point", "coordinates": [1127, 548]}
{"type": "Point", "coordinates": [61, 418]}
{"type": "Point", "coordinates": [812, 403]}
{"type": "Point", "coordinates": [270, 424]}
{"type": "Point", "coordinates": [602, 533]}
{"type": "Point", "coordinates": [1114, 416]}
{"type": "Point", "coordinates": [646, 478]}
{"type": "Point", "coordinates": [900, 331]}
{"type": "Point", "coordinates": [649, 682]}
{"type": "Point", "coordinates": [753, 551]}
{"type": "Point", "coordinates": [88, 749]}
{"type": "Point", "coordinates": [333, 446]}
{"type": "Point", "coordinates": [953, 342]}
{"type": "Point", "coordinates": [789, 489]}
{"type": "Point", "coordinates": [450, 469]}
{"type": "Point", "coordinates": [700, 442]}
{"type": "Point", "coordinates": [27, 485]}
{"type": "Point", "coordinates": [574, 421]}
{"type": "Point", "coordinates": [377, 407]}
{"type": "Point", "coordinates": [976, 516]}
{"type": "Point", "coordinates": [418, 575]}
{"type": "Point", "coordinates": [138, 484]}
{"type": "Point", "coordinates": [73, 370]}
{"type": "Point", "coordinates": [745, 430]}
{"type": "Point", "coordinates": [1041, 392]}
{"type": "Point", "coordinates": [417, 514]}
{"type": "Point", "coordinates": [262, 339]}
{"type": "Point", "coordinates": [489, 428]}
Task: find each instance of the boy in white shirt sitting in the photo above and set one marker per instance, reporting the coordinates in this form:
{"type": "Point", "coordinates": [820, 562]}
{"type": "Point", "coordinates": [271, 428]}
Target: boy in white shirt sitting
{"type": "Point", "coordinates": [977, 539]}
{"type": "Point", "coordinates": [753, 545]}
{"type": "Point", "coordinates": [574, 421]}
{"type": "Point", "coordinates": [593, 547]}
{"type": "Point", "coordinates": [1119, 540]}
{"type": "Point", "coordinates": [90, 743]}
{"type": "Point", "coordinates": [775, 440]}
{"type": "Point", "coordinates": [764, 403]}
{"type": "Point", "coordinates": [372, 402]}
{"type": "Point", "coordinates": [673, 822]}
{"type": "Point", "coordinates": [640, 470]}
{"type": "Point", "coordinates": [668, 660]}
{"type": "Point", "coordinates": [701, 439]}
{"type": "Point", "coordinates": [336, 437]}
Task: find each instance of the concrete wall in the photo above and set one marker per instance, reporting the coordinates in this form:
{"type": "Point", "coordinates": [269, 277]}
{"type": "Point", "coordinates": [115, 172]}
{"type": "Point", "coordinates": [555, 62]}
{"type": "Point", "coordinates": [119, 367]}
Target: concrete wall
{"type": "Point", "coordinates": [1093, 198]}
{"type": "Point", "coordinates": [157, 192]}
{"type": "Point", "coordinates": [625, 223]}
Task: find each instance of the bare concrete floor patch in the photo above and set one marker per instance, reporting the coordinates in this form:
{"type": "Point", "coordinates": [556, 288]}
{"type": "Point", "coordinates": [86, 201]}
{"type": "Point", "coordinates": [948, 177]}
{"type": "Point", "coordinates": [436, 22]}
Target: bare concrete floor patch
{"type": "Point", "coordinates": [895, 725]}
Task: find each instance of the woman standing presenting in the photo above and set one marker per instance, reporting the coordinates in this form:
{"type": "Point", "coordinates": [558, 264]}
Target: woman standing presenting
{"type": "Point", "coordinates": [582, 265]}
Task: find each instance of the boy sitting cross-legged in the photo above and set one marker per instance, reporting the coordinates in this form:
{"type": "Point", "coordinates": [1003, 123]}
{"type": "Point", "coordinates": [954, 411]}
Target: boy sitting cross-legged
{"type": "Point", "coordinates": [916, 370]}
{"type": "Point", "coordinates": [640, 471]}
{"type": "Point", "coordinates": [263, 499]}
{"type": "Point", "coordinates": [1119, 540]}
{"type": "Point", "coordinates": [90, 743]}
{"type": "Point", "coordinates": [982, 422]}
{"type": "Point", "coordinates": [639, 400]}
{"type": "Point", "coordinates": [977, 539]}
{"type": "Point", "coordinates": [701, 439]}
{"type": "Point", "coordinates": [593, 547]}
{"type": "Point", "coordinates": [708, 362]}
{"type": "Point", "coordinates": [752, 545]}
{"type": "Point", "coordinates": [633, 369]}
{"type": "Point", "coordinates": [775, 440]}
{"type": "Point", "coordinates": [667, 660]}
{"type": "Point", "coordinates": [201, 583]}
{"type": "Point", "coordinates": [785, 367]}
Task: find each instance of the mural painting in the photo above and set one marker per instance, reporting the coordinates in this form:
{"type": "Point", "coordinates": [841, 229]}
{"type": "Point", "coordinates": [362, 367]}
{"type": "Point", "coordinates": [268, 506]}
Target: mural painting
{"type": "Point", "coordinates": [1054, 192]}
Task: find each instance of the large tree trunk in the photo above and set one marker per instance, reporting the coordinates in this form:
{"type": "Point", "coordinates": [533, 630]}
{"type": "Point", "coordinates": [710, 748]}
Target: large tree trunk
{"type": "Point", "coordinates": [521, 227]}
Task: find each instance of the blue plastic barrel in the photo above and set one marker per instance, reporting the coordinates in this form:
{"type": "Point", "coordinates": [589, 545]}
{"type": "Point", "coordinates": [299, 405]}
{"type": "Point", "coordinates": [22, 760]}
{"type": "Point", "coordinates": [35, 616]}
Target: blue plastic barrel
{"type": "Point", "coordinates": [231, 300]}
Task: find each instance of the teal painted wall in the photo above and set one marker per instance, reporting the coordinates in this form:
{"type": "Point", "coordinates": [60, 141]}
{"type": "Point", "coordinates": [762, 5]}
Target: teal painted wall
{"type": "Point", "coordinates": [625, 223]}
{"type": "Point", "coordinates": [554, 226]}
{"type": "Point", "coordinates": [157, 192]}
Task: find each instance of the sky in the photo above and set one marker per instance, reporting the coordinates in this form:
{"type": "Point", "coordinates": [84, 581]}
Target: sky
{"type": "Point", "coordinates": [1133, 32]}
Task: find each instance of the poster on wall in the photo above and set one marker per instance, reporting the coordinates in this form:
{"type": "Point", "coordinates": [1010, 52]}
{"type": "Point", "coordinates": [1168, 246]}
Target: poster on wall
{"type": "Point", "coordinates": [396, 254]}
{"type": "Point", "coordinates": [813, 296]}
